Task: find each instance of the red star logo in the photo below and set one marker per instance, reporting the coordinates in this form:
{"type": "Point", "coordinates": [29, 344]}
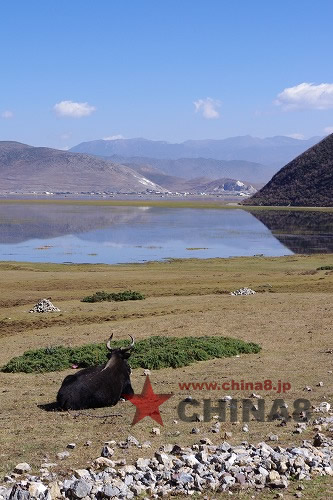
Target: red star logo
{"type": "Point", "coordinates": [147, 403]}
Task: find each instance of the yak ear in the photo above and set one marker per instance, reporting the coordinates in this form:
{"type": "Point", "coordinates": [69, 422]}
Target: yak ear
{"type": "Point", "coordinates": [126, 355]}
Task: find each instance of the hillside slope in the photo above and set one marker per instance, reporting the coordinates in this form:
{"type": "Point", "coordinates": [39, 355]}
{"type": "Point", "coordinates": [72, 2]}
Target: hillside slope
{"type": "Point", "coordinates": [26, 168]}
{"type": "Point", "coordinates": [195, 185]}
{"type": "Point", "coordinates": [305, 181]}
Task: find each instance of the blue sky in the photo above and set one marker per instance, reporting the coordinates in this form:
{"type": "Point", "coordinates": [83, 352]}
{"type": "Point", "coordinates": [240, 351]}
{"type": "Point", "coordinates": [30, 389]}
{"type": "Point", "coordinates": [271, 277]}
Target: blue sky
{"type": "Point", "coordinates": [73, 71]}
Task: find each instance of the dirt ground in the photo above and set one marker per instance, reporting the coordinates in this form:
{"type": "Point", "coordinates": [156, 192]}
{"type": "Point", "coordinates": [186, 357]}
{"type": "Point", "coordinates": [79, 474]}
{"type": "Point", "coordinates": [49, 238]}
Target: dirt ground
{"type": "Point", "coordinates": [291, 319]}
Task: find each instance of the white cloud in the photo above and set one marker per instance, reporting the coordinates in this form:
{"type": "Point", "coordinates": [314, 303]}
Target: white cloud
{"type": "Point", "coordinates": [296, 136]}
{"type": "Point", "coordinates": [113, 137]}
{"type": "Point", "coordinates": [208, 107]}
{"type": "Point", "coordinates": [306, 96]}
{"type": "Point", "coordinates": [328, 130]}
{"type": "Point", "coordinates": [73, 109]}
{"type": "Point", "coordinates": [7, 114]}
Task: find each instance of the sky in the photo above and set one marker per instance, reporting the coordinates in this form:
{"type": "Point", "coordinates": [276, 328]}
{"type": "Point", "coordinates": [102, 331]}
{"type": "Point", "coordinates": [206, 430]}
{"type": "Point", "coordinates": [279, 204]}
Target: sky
{"type": "Point", "coordinates": [74, 71]}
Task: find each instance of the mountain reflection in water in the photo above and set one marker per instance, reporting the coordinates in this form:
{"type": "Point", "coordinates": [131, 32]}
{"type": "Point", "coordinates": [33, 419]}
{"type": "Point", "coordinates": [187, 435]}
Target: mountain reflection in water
{"type": "Point", "coordinates": [111, 234]}
{"type": "Point", "coordinates": [302, 232]}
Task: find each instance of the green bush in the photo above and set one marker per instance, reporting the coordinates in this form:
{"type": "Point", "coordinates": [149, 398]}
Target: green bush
{"type": "Point", "coordinates": [120, 296]}
{"type": "Point", "coordinates": [154, 353]}
{"type": "Point", "coordinates": [325, 268]}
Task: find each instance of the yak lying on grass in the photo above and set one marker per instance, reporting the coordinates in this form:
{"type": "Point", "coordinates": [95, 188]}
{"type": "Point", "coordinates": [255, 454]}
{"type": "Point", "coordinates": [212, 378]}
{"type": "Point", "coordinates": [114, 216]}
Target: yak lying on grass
{"type": "Point", "coordinates": [98, 386]}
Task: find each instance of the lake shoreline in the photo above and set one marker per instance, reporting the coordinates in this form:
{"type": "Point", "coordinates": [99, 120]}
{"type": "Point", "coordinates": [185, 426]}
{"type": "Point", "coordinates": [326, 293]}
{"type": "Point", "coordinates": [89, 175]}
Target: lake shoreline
{"type": "Point", "coordinates": [209, 204]}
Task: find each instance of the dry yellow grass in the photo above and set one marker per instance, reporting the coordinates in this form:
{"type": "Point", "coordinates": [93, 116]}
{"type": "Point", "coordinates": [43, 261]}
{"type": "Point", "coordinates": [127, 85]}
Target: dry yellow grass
{"type": "Point", "coordinates": [291, 319]}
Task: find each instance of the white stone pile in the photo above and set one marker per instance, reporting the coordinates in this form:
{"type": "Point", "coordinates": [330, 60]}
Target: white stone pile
{"type": "Point", "coordinates": [44, 306]}
{"type": "Point", "coordinates": [176, 470]}
{"type": "Point", "coordinates": [243, 291]}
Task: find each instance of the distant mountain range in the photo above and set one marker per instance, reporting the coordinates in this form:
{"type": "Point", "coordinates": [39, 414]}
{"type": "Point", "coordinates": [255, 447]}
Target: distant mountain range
{"type": "Point", "coordinates": [190, 168]}
{"type": "Point", "coordinates": [305, 181]}
{"type": "Point", "coordinates": [27, 168]}
{"type": "Point", "coordinates": [271, 151]}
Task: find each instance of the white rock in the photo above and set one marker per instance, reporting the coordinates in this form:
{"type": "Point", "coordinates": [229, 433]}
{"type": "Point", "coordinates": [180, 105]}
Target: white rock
{"type": "Point", "coordinates": [104, 462]}
{"type": "Point", "coordinates": [36, 489]}
{"type": "Point", "coordinates": [22, 468]}
{"type": "Point", "coordinates": [81, 473]}
{"type": "Point", "coordinates": [243, 291]}
{"type": "Point", "coordinates": [107, 452]}
{"type": "Point", "coordinates": [54, 490]}
{"type": "Point", "coordinates": [324, 407]}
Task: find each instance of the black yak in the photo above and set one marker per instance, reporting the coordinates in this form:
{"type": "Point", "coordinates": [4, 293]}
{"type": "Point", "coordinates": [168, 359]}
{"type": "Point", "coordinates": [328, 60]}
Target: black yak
{"type": "Point", "coordinates": [98, 386]}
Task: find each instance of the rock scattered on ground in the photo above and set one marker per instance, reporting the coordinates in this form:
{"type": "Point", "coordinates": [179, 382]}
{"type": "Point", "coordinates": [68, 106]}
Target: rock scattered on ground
{"type": "Point", "coordinates": [22, 468]}
{"type": "Point", "coordinates": [243, 291]}
{"type": "Point", "coordinates": [44, 306]}
{"type": "Point", "coordinates": [202, 469]}
{"type": "Point", "coordinates": [177, 470]}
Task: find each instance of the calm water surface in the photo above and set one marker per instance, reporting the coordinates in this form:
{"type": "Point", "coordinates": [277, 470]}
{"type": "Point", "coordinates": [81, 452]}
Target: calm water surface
{"type": "Point", "coordinates": [91, 234]}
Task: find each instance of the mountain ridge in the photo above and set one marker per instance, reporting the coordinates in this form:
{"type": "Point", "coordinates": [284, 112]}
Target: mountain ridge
{"type": "Point", "coordinates": [273, 151]}
{"type": "Point", "coordinates": [30, 169]}
{"type": "Point", "coordinates": [305, 181]}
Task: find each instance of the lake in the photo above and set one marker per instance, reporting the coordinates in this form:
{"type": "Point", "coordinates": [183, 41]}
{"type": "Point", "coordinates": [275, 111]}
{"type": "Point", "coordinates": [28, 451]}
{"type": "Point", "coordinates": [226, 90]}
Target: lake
{"type": "Point", "coordinates": [110, 234]}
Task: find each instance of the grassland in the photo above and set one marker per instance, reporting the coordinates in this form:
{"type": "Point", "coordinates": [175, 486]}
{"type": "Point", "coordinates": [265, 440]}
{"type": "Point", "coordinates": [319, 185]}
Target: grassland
{"type": "Point", "coordinates": [291, 319]}
{"type": "Point", "coordinates": [210, 204]}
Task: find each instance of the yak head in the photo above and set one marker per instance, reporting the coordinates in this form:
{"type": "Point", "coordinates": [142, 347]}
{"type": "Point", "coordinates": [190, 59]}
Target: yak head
{"type": "Point", "coordinates": [118, 355]}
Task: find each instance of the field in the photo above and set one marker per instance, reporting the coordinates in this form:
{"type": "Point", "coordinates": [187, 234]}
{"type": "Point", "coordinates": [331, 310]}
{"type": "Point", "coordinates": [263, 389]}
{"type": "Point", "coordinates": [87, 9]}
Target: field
{"type": "Point", "coordinates": [189, 202]}
{"type": "Point", "coordinates": [291, 319]}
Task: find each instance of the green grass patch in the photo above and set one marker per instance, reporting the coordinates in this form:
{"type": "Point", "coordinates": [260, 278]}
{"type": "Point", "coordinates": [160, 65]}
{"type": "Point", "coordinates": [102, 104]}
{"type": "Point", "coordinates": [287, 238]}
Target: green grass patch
{"type": "Point", "coordinates": [325, 268]}
{"type": "Point", "coordinates": [153, 353]}
{"type": "Point", "coordinates": [119, 296]}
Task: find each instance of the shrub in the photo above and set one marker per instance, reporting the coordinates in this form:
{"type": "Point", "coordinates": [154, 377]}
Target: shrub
{"type": "Point", "coordinates": [154, 353]}
{"type": "Point", "coordinates": [120, 296]}
{"type": "Point", "coordinates": [325, 268]}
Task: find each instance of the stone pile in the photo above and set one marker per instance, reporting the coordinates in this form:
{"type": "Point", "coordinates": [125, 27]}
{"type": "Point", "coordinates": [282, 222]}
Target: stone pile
{"type": "Point", "coordinates": [173, 470]}
{"type": "Point", "coordinates": [243, 291]}
{"type": "Point", "coordinates": [44, 306]}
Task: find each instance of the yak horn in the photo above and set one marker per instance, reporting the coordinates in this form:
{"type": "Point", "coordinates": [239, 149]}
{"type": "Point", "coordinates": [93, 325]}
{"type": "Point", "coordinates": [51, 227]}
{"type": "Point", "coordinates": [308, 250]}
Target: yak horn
{"type": "Point", "coordinates": [108, 344]}
{"type": "Point", "coordinates": [124, 349]}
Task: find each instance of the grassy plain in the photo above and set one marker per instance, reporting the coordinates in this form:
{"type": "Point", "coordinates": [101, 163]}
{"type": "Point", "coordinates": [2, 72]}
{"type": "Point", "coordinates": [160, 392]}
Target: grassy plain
{"type": "Point", "coordinates": [210, 203]}
{"type": "Point", "coordinates": [291, 319]}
